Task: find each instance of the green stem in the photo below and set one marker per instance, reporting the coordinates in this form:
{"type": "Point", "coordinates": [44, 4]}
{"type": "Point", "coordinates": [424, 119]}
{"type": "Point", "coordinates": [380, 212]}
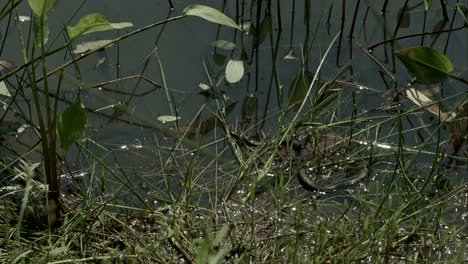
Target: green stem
{"type": "Point", "coordinates": [458, 78]}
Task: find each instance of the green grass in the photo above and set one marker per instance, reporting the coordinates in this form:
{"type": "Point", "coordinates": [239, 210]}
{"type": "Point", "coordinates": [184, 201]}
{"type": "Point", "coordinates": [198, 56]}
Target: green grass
{"type": "Point", "coordinates": [216, 198]}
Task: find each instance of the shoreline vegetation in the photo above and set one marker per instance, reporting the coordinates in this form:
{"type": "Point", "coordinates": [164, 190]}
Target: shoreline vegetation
{"type": "Point", "coordinates": [384, 168]}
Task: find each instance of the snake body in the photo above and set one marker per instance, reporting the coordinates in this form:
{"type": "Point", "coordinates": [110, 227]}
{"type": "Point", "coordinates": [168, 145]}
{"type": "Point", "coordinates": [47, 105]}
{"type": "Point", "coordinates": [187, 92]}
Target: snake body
{"type": "Point", "coordinates": [303, 178]}
{"type": "Point", "coordinates": [309, 185]}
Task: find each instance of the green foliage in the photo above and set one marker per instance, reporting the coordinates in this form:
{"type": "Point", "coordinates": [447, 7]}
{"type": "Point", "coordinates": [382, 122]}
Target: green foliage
{"type": "Point", "coordinates": [234, 71]}
{"type": "Point", "coordinates": [40, 29]}
{"type": "Point", "coordinates": [93, 23]}
{"type": "Point", "coordinates": [265, 30]}
{"type": "Point", "coordinates": [206, 253]}
{"type": "Point", "coordinates": [40, 20]}
{"type": "Point", "coordinates": [4, 90]}
{"type": "Point", "coordinates": [426, 64]}
{"type": "Point", "coordinates": [168, 118]}
{"type": "Point", "coordinates": [298, 88]}
{"type": "Point", "coordinates": [278, 222]}
{"type": "Point", "coordinates": [224, 44]}
{"type": "Point", "coordinates": [41, 7]}
{"type": "Point", "coordinates": [464, 11]}
{"type": "Point", "coordinates": [427, 4]}
{"type": "Point", "coordinates": [72, 124]}
{"type": "Point", "coordinates": [90, 45]}
{"type": "Point", "coordinates": [210, 14]}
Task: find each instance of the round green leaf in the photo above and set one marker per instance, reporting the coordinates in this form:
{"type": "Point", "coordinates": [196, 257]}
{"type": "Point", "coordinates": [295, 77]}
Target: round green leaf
{"type": "Point", "coordinates": [426, 64]}
{"type": "Point", "coordinates": [210, 14]}
{"type": "Point", "coordinates": [234, 71]}
{"type": "Point", "coordinates": [71, 124]}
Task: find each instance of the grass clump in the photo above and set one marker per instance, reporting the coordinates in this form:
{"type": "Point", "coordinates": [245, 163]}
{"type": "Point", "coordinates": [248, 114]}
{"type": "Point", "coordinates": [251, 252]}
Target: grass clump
{"type": "Point", "coordinates": [224, 190]}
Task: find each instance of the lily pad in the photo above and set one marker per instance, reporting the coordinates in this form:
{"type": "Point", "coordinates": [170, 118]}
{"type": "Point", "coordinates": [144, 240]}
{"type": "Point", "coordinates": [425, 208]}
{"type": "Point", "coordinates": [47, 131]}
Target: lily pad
{"type": "Point", "coordinates": [168, 118]}
{"type": "Point", "coordinates": [426, 64]}
{"type": "Point", "coordinates": [234, 71]}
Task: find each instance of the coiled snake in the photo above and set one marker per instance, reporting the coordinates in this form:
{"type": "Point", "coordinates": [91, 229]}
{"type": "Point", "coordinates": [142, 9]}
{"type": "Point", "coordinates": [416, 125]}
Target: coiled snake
{"type": "Point", "coordinates": [303, 177]}
{"type": "Point", "coordinates": [310, 185]}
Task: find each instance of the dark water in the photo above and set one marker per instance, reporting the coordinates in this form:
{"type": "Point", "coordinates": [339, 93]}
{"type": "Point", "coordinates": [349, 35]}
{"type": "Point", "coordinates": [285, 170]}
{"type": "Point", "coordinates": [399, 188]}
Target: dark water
{"type": "Point", "coordinates": [183, 51]}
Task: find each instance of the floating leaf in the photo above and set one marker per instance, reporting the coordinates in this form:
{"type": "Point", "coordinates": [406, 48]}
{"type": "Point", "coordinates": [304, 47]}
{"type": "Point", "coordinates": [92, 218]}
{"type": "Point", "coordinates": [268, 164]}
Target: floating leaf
{"type": "Point", "coordinates": [426, 64]}
{"type": "Point", "coordinates": [100, 62]}
{"type": "Point", "coordinates": [22, 128]}
{"type": "Point", "coordinates": [210, 14]}
{"type": "Point", "coordinates": [219, 59]}
{"type": "Point", "coordinates": [168, 118]}
{"type": "Point", "coordinates": [93, 23]}
{"type": "Point", "coordinates": [427, 4]}
{"type": "Point", "coordinates": [249, 108]}
{"type": "Point", "coordinates": [298, 89]}
{"type": "Point", "coordinates": [265, 29]}
{"type": "Point", "coordinates": [234, 71]}
{"type": "Point", "coordinates": [224, 44]}
{"type": "Point", "coordinates": [24, 18]}
{"type": "Point", "coordinates": [404, 16]}
{"type": "Point", "coordinates": [422, 100]}
{"type": "Point", "coordinates": [463, 10]}
{"type": "Point", "coordinates": [205, 89]}
{"type": "Point", "coordinates": [72, 124]}
{"type": "Point", "coordinates": [6, 66]}
{"type": "Point", "coordinates": [438, 27]}
{"type": "Point", "coordinates": [85, 46]}
{"type": "Point", "coordinates": [4, 89]}
{"type": "Point", "coordinates": [248, 27]}
{"type": "Point", "coordinates": [212, 122]}
{"type": "Point", "coordinates": [290, 56]}
{"type": "Point", "coordinates": [203, 86]}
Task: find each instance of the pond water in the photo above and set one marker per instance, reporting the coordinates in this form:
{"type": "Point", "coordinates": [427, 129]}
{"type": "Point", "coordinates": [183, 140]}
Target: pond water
{"type": "Point", "coordinates": [180, 55]}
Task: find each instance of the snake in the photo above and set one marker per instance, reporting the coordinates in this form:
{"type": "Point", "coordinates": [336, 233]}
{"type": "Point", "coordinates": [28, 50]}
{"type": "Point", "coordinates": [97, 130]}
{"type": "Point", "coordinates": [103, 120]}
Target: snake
{"type": "Point", "coordinates": [310, 185]}
{"type": "Point", "coordinates": [303, 178]}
